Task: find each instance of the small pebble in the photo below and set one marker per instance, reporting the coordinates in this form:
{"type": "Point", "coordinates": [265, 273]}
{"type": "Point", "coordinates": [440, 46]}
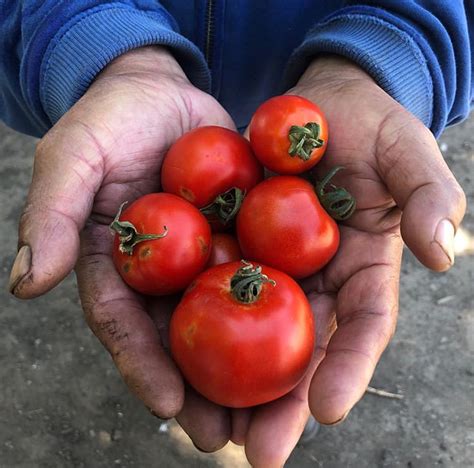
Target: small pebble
{"type": "Point", "coordinates": [163, 428]}
{"type": "Point", "coordinates": [105, 438]}
{"type": "Point", "coordinates": [445, 300]}
{"type": "Point", "coordinates": [8, 444]}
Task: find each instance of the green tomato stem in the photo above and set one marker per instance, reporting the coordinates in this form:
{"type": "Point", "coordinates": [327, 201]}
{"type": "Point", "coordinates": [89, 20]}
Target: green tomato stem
{"type": "Point", "coordinates": [225, 206]}
{"type": "Point", "coordinates": [338, 202]}
{"type": "Point", "coordinates": [128, 235]}
{"type": "Point", "coordinates": [247, 283]}
{"type": "Point", "coordinates": [303, 140]}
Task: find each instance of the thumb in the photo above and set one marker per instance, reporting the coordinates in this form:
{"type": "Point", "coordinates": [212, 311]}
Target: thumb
{"type": "Point", "coordinates": [422, 185]}
{"type": "Point", "coordinates": [67, 173]}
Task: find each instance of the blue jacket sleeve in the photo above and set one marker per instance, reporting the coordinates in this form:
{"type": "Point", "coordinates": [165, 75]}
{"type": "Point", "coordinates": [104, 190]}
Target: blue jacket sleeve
{"type": "Point", "coordinates": [51, 50]}
{"type": "Point", "coordinates": [419, 51]}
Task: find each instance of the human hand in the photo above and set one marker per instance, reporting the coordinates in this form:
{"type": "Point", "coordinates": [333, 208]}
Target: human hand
{"type": "Point", "coordinates": [107, 149]}
{"type": "Point", "coordinates": [359, 287]}
{"type": "Point", "coordinates": [402, 185]}
{"type": "Point", "coordinates": [403, 188]}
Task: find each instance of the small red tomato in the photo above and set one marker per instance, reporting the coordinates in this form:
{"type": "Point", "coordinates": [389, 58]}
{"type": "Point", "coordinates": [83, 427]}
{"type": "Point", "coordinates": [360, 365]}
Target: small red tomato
{"type": "Point", "coordinates": [288, 134]}
{"type": "Point", "coordinates": [206, 166]}
{"type": "Point", "coordinates": [242, 336]}
{"type": "Point", "coordinates": [281, 223]}
{"type": "Point", "coordinates": [162, 243]}
{"type": "Point", "coordinates": [225, 248]}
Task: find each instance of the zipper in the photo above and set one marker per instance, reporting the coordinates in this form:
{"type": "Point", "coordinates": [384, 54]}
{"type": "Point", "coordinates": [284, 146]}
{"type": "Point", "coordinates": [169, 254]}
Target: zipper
{"type": "Point", "coordinates": [210, 13]}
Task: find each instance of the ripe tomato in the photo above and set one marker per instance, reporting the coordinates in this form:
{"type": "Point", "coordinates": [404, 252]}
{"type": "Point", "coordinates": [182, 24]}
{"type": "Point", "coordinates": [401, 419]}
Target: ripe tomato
{"type": "Point", "coordinates": [239, 353]}
{"type": "Point", "coordinates": [282, 224]}
{"type": "Point", "coordinates": [178, 252]}
{"type": "Point", "coordinates": [205, 164]}
{"type": "Point", "coordinates": [225, 248]}
{"type": "Point", "coordinates": [288, 134]}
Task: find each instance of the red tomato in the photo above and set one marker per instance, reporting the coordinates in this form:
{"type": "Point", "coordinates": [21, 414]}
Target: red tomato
{"type": "Point", "coordinates": [288, 134]}
{"type": "Point", "coordinates": [282, 224]}
{"type": "Point", "coordinates": [241, 354]}
{"type": "Point", "coordinates": [207, 162]}
{"type": "Point", "coordinates": [225, 248]}
{"type": "Point", "coordinates": [179, 252]}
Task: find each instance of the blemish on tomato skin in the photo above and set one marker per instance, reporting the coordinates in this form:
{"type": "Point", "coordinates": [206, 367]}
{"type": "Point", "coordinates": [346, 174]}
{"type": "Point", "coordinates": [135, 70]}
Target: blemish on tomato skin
{"type": "Point", "coordinates": [145, 252]}
{"type": "Point", "coordinates": [126, 267]}
{"type": "Point", "coordinates": [188, 334]}
{"type": "Point", "coordinates": [190, 287]}
{"type": "Point", "coordinates": [187, 194]}
{"type": "Point", "coordinates": [203, 245]}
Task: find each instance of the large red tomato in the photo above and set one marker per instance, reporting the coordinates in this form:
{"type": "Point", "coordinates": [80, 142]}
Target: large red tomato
{"type": "Point", "coordinates": [288, 134]}
{"type": "Point", "coordinates": [206, 164]}
{"type": "Point", "coordinates": [162, 243]}
{"type": "Point", "coordinates": [241, 339]}
{"type": "Point", "coordinates": [282, 224]}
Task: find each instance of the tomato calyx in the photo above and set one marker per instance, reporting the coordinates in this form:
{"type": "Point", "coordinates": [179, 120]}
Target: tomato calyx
{"type": "Point", "coordinates": [128, 235]}
{"type": "Point", "coordinates": [225, 206]}
{"type": "Point", "coordinates": [247, 283]}
{"type": "Point", "coordinates": [304, 139]}
{"type": "Point", "coordinates": [337, 201]}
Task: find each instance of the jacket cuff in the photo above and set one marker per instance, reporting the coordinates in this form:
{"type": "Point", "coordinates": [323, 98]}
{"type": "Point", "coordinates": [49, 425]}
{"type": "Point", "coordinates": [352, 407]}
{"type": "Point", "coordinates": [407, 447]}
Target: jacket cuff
{"type": "Point", "coordinates": [85, 45]}
{"type": "Point", "coordinates": [385, 52]}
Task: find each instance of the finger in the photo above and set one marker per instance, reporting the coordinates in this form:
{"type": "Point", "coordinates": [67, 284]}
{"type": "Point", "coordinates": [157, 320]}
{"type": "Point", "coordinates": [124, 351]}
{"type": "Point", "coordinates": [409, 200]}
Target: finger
{"type": "Point", "coordinates": [206, 423]}
{"type": "Point", "coordinates": [240, 418]}
{"type": "Point", "coordinates": [117, 317]}
{"type": "Point", "coordinates": [160, 309]}
{"type": "Point", "coordinates": [422, 185]}
{"type": "Point", "coordinates": [366, 311]}
{"type": "Point", "coordinates": [206, 110]}
{"type": "Point", "coordinates": [215, 115]}
{"type": "Point", "coordinates": [66, 176]}
{"type": "Point", "coordinates": [276, 427]}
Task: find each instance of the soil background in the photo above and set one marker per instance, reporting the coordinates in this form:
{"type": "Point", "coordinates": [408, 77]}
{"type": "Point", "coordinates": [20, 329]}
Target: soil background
{"type": "Point", "coordinates": [62, 403]}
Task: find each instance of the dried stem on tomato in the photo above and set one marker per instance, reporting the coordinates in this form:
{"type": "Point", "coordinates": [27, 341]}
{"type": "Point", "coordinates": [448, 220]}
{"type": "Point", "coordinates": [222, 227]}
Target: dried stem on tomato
{"type": "Point", "coordinates": [225, 206]}
{"type": "Point", "coordinates": [337, 201]}
{"type": "Point", "coordinates": [304, 140]}
{"type": "Point", "coordinates": [128, 235]}
{"type": "Point", "coordinates": [247, 283]}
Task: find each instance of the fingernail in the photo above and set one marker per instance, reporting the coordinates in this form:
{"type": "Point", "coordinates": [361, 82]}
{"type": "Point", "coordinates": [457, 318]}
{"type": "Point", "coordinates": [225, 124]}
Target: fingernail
{"type": "Point", "coordinates": [444, 237]}
{"type": "Point", "coordinates": [157, 416]}
{"type": "Point", "coordinates": [20, 268]}
{"type": "Point", "coordinates": [340, 420]}
{"type": "Point", "coordinates": [200, 449]}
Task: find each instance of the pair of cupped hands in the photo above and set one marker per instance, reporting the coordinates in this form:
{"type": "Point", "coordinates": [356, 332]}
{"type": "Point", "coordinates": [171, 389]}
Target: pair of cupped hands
{"type": "Point", "coordinates": [109, 147]}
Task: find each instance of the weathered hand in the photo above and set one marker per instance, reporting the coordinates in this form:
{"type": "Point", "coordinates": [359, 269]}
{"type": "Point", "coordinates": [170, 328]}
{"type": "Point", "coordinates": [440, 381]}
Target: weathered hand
{"type": "Point", "coordinates": [107, 149]}
{"type": "Point", "coordinates": [402, 185]}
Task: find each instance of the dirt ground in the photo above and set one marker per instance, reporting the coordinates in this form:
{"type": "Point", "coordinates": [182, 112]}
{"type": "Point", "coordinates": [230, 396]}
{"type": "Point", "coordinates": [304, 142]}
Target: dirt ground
{"type": "Point", "coordinates": [62, 403]}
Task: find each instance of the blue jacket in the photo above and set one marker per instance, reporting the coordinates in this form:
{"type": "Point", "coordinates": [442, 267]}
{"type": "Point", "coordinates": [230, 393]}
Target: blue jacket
{"type": "Point", "coordinates": [242, 51]}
